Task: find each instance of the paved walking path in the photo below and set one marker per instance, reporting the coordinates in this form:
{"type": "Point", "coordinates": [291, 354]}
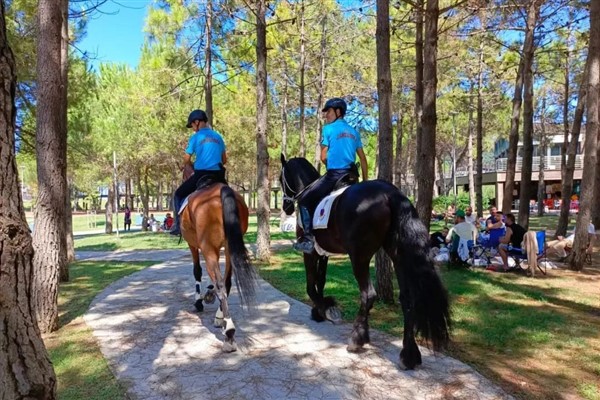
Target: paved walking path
{"type": "Point", "coordinates": [159, 347]}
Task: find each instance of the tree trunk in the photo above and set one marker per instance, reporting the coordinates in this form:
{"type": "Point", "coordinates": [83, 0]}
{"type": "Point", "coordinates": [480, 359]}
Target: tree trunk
{"type": "Point", "coordinates": [64, 75]}
{"type": "Point", "coordinates": [399, 137]}
{"type": "Point", "coordinates": [426, 161]}
{"type": "Point", "coordinates": [567, 182]}
{"type": "Point", "coordinates": [418, 87]}
{"type": "Point", "coordinates": [383, 265]}
{"type": "Point", "coordinates": [263, 210]}
{"type": "Point", "coordinates": [284, 115]}
{"type": "Point", "coordinates": [591, 142]}
{"type": "Point", "coordinates": [513, 139]}
{"type": "Point", "coordinates": [470, 170]}
{"type": "Point", "coordinates": [321, 91]}
{"type": "Point", "coordinates": [25, 368]}
{"type": "Point", "coordinates": [479, 116]}
{"type": "Point", "coordinates": [543, 146]}
{"type": "Point", "coordinates": [49, 235]}
{"type": "Point", "coordinates": [208, 63]}
{"type": "Point", "coordinates": [302, 86]}
{"type": "Point", "coordinates": [528, 55]}
{"type": "Point", "coordinates": [108, 214]}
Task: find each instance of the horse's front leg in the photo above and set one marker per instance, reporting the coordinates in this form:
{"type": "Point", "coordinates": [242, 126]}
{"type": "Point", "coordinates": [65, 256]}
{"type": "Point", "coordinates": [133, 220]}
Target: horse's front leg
{"type": "Point", "coordinates": [208, 297]}
{"type": "Point", "coordinates": [324, 307]}
{"type": "Point", "coordinates": [360, 331]}
{"type": "Point", "coordinates": [222, 317]}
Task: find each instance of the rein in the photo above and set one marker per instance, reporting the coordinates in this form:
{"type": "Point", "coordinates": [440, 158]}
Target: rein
{"type": "Point", "coordinates": [286, 186]}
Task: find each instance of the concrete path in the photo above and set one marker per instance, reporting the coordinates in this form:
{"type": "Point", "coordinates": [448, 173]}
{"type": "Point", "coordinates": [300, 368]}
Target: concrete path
{"type": "Point", "coordinates": [159, 347]}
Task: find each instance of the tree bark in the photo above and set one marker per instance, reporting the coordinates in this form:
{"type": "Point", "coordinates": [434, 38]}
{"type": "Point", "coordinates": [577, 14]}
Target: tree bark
{"type": "Point", "coordinates": [208, 95]}
{"type": "Point", "coordinates": [49, 235]}
{"type": "Point", "coordinates": [567, 182]}
{"type": "Point", "coordinates": [383, 265]}
{"type": "Point", "coordinates": [528, 55]}
{"type": "Point", "coordinates": [263, 211]}
{"type": "Point", "coordinates": [25, 368]}
{"type": "Point", "coordinates": [543, 146]}
{"type": "Point", "coordinates": [470, 169]}
{"type": "Point", "coordinates": [584, 216]}
{"type": "Point", "coordinates": [513, 139]}
{"type": "Point", "coordinates": [64, 74]}
{"type": "Point", "coordinates": [302, 87]}
{"type": "Point", "coordinates": [418, 85]}
{"type": "Point", "coordinates": [479, 116]}
{"type": "Point", "coordinates": [426, 160]}
{"type": "Point", "coordinates": [321, 91]}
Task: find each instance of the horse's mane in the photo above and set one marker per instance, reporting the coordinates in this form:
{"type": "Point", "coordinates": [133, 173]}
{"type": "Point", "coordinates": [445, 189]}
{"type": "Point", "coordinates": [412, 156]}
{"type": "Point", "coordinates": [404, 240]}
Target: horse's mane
{"type": "Point", "coordinates": [303, 168]}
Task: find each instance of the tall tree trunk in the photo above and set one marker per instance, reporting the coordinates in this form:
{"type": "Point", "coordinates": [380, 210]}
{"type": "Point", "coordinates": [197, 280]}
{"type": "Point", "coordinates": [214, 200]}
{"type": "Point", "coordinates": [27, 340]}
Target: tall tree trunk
{"type": "Point", "coordinates": [543, 147]}
{"type": "Point", "coordinates": [284, 115]}
{"type": "Point", "coordinates": [528, 54]}
{"type": "Point", "coordinates": [591, 142]}
{"type": "Point", "coordinates": [263, 210]}
{"type": "Point", "coordinates": [383, 265]}
{"type": "Point", "coordinates": [399, 138]}
{"type": "Point", "coordinates": [25, 368]}
{"type": "Point", "coordinates": [418, 86]}
{"type": "Point", "coordinates": [479, 116]}
{"type": "Point", "coordinates": [110, 201]}
{"type": "Point", "coordinates": [49, 235]}
{"type": "Point", "coordinates": [513, 139]}
{"type": "Point", "coordinates": [64, 76]}
{"type": "Point", "coordinates": [567, 175]}
{"type": "Point", "coordinates": [208, 96]}
{"type": "Point", "coordinates": [596, 210]}
{"type": "Point", "coordinates": [470, 170]}
{"type": "Point", "coordinates": [321, 91]}
{"type": "Point", "coordinates": [426, 161]}
{"type": "Point", "coordinates": [302, 86]}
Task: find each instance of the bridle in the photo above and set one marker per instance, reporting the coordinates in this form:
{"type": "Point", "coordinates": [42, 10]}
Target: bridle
{"type": "Point", "coordinates": [295, 195]}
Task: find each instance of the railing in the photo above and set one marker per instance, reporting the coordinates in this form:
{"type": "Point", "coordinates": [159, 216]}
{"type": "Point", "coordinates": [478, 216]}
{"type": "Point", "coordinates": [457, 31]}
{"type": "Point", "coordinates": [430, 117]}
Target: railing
{"type": "Point", "coordinates": [551, 163]}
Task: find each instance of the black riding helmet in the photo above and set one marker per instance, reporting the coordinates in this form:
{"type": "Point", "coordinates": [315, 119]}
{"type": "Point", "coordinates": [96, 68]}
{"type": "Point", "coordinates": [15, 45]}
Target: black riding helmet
{"type": "Point", "coordinates": [335, 103]}
{"type": "Point", "coordinates": [196, 115]}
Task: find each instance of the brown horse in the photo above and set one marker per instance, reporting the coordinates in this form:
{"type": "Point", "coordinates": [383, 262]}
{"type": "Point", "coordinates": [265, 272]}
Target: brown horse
{"type": "Point", "coordinates": [217, 216]}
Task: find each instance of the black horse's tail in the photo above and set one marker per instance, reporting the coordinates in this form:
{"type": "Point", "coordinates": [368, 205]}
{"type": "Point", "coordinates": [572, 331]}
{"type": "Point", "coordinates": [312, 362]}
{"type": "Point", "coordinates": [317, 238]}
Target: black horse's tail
{"type": "Point", "coordinates": [245, 275]}
{"type": "Point", "coordinates": [427, 295]}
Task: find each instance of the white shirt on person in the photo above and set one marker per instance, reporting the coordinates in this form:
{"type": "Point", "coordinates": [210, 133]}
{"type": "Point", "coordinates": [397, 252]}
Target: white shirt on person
{"type": "Point", "coordinates": [591, 231]}
{"type": "Point", "coordinates": [472, 219]}
{"type": "Point", "coordinates": [464, 230]}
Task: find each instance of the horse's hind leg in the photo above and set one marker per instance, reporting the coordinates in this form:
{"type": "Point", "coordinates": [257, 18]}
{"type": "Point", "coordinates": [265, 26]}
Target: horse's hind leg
{"type": "Point", "coordinates": [360, 331]}
{"type": "Point", "coordinates": [222, 318]}
{"type": "Point", "coordinates": [198, 276]}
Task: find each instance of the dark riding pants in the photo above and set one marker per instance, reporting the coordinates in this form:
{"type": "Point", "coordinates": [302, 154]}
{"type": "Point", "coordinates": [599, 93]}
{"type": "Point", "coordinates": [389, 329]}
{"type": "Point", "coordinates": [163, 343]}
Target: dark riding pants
{"type": "Point", "coordinates": [311, 197]}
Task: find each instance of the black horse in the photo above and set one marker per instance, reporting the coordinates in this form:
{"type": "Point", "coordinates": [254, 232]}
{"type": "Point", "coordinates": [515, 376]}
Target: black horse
{"type": "Point", "coordinates": [366, 217]}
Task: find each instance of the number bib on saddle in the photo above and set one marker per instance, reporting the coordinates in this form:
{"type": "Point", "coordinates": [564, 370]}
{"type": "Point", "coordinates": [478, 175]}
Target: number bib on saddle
{"type": "Point", "coordinates": [323, 210]}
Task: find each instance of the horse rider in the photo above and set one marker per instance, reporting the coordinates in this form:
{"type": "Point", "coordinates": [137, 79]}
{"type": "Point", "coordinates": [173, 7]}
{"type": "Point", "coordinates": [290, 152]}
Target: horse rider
{"type": "Point", "coordinates": [340, 144]}
{"type": "Point", "coordinates": [211, 155]}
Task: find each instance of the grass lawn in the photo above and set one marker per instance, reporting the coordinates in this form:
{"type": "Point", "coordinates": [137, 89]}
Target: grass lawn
{"type": "Point", "coordinates": [537, 338]}
{"type": "Point", "coordinates": [81, 369]}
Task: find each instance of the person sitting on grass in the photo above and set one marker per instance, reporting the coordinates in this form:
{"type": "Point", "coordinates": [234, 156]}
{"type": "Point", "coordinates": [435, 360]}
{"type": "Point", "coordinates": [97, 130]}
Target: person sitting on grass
{"type": "Point", "coordinates": [512, 238]}
{"type": "Point", "coordinates": [558, 247]}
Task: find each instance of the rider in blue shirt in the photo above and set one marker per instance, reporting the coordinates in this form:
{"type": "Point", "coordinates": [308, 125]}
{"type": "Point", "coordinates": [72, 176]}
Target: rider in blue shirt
{"type": "Point", "coordinates": [209, 148]}
{"type": "Point", "coordinates": [339, 146]}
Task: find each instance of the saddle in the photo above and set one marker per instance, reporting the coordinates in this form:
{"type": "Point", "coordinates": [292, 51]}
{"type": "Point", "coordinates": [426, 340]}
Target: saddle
{"type": "Point", "coordinates": [210, 178]}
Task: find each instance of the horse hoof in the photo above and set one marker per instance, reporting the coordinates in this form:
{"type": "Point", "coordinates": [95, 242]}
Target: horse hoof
{"type": "Point", "coordinates": [334, 315]}
{"type": "Point", "coordinates": [199, 306]}
{"type": "Point", "coordinates": [209, 297]}
{"type": "Point", "coordinates": [354, 348]}
{"type": "Point", "coordinates": [229, 347]}
{"type": "Point", "coordinates": [219, 323]}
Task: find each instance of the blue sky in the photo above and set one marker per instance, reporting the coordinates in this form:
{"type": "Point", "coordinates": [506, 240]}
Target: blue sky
{"type": "Point", "coordinates": [115, 34]}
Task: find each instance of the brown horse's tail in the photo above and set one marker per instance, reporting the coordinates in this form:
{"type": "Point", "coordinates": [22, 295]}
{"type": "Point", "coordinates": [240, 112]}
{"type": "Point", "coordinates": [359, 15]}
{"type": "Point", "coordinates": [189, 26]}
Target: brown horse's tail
{"type": "Point", "coordinates": [427, 294]}
{"type": "Point", "coordinates": [245, 275]}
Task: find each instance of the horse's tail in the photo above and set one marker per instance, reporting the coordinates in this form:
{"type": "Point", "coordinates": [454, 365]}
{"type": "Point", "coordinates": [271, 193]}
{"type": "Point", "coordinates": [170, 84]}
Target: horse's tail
{"type": "Point", "coordinates": [245, 275]}
{"type": "Point", "coordinates": [427, 296]}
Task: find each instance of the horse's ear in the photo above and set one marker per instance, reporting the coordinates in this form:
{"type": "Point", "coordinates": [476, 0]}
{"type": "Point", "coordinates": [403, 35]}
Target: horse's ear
{"type": "Point", "coordinates": [282, 159]}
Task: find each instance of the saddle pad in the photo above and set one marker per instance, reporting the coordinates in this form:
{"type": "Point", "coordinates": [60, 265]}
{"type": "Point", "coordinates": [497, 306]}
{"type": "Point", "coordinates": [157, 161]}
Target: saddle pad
{"type": "Point", "coordinates": [184, 204]}
{"type": "Point", "coordinates": [321, 217]}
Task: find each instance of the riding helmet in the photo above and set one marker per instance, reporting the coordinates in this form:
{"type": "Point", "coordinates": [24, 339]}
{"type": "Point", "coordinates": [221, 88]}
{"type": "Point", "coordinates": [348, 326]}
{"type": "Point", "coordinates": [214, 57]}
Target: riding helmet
{"type": "Point", "coordinates": [196, 115]}
{"type": "Point", "coordinates": [335, 103]}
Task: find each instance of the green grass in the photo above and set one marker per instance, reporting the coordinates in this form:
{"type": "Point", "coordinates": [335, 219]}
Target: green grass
{"type": "Point", "coordinates": [81, 370]}
{"type": "Point", "coordinates": [129, 241]}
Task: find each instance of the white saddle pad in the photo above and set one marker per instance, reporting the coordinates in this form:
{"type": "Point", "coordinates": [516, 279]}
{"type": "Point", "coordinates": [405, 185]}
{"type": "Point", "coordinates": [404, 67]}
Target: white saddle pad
{"type": "Point", "coordinates": [321, 217]}
{"type": "Point", "coordinates": [184, 205]}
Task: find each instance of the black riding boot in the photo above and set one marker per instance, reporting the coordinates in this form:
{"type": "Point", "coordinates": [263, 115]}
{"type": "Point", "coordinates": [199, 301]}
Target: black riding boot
{"type": "Point", "coordinates": [306, 243]}
{"type": "Point", "coordinates": [175, 231]}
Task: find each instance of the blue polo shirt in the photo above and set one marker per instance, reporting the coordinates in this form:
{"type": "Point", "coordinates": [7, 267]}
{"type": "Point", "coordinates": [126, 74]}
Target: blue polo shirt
{"type": "Point", "coordinates": [208, 146]}
{"type": "Point", "coordinates": [342, 142]}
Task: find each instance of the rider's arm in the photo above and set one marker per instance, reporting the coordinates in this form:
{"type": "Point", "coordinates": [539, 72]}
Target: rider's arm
{"type": "Point", "coordinates": [187, 159]}
{"type": "Point", "coordinates": [363, 163]}
{"type": "Point", "coordinates": [324, 154]}
{"type": "Point", "coordinates": [224, 157]}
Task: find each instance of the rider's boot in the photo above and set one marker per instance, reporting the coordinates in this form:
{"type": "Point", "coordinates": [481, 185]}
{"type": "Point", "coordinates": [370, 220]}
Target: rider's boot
{"type": "Point", "coordinates": [306, 243]}
{"type": "Point", "coordinates": [175, 231]}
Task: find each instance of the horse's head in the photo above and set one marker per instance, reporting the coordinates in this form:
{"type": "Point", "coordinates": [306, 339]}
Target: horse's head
{"type": "Point", "coordinates": [296, 174]}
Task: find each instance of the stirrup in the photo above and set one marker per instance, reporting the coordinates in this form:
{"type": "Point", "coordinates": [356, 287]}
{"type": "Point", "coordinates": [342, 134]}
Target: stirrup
{"type": "Point", "coordinates": [304, 245]}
